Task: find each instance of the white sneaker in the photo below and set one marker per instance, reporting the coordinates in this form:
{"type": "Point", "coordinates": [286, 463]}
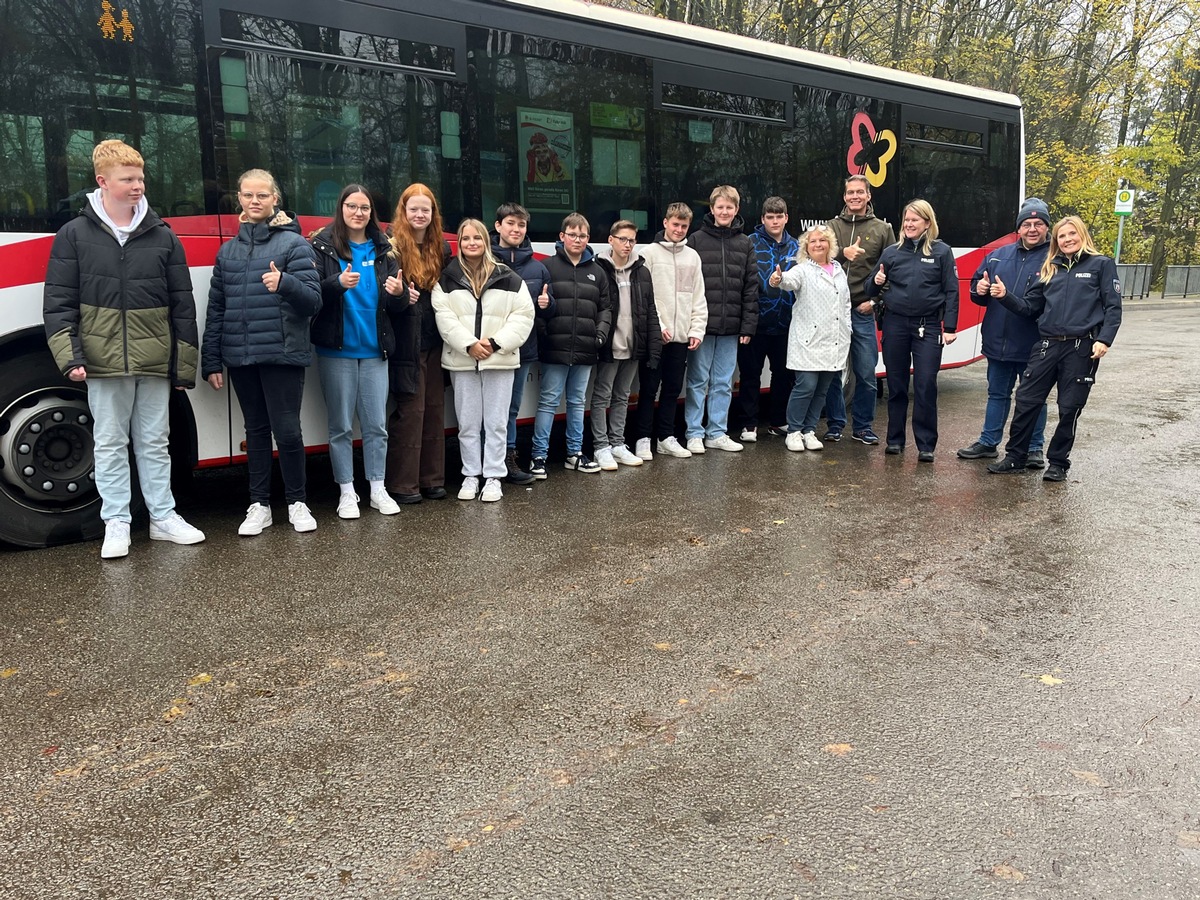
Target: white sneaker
{"type": "Point", "coordinates": [604, 459]}
{"type": "Point", "coordinates": [695, 446]}
{"type": "Point", "coordinates": [724, 442]}
{"type": "Point", "coordinates": [116, 539]}
{"type": "Point", "coordinates": [670, 446]}
{"type": "Point", "coordinates": [811, 442]}
{"type": "Point", "coordinates": [257, 518]}
{"type": "Point", "coordinates": [301, 517]}
{"type": "Point", "coordinates": [348, 506]}
{"type": "Point", "coordinates": [491, 491]}
{"type": "Point", "coordinates": [749, 435]}
{"type": "Point", "coordinates": [642, 450]}
{"type": "Point", "coordinates": [622, 455]}
{"type": "Point", "coordinates": [174, 529]}
{"type": "Point", "coordinates": [470, 487]}
{"type": "Point", "coordinates": [794, 441]}
{"type": "Point", "coordinates": [382, 501]}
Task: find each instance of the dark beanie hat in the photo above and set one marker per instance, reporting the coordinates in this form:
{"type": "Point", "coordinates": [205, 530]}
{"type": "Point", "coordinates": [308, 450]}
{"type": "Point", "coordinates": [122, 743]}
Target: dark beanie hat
{"type": "Point", "coordinates": [1033, 208]}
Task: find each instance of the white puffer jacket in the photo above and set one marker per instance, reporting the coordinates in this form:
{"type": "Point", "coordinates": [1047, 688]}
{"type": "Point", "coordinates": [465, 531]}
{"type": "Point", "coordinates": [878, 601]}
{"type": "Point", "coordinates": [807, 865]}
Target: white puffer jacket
{"type": "Point", "coordinates": [819, 337]}
{"type": "Point", "coordinates": [504, 313]}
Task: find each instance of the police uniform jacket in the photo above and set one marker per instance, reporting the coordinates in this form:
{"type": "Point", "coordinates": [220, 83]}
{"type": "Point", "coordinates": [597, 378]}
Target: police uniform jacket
{"type": "Point", "coordinates": [919, 285]}
{"type": "Point", "coordinates": [1081, 300]}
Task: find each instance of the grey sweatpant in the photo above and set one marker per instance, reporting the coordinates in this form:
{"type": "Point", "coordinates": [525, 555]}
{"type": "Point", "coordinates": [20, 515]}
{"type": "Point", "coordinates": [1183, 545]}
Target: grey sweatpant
{"type": "Point", "coordinates": [481, 399]}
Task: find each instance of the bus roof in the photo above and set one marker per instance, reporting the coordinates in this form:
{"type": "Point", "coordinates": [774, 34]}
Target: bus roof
{"type": "Point", "coordinates": [654, 27]}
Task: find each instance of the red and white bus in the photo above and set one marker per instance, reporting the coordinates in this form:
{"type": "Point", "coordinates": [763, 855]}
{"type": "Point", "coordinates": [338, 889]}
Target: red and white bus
{"type": "Point", "coordinates": [564, 106]}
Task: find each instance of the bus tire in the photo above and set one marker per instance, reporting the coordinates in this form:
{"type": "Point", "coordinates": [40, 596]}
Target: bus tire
{"type": "Point", "coordinates": [47, 487]}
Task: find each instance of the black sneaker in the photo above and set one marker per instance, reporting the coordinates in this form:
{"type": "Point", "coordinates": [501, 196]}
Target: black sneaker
{"type": "Point", "coordinates": [579, 462]}
{"type": "Point", "coordinates": [434, 493]}
{"type": "Point", "coordinates": [516, 475]}
{"type": "Point", "coordinates": [833, 434]}
{"type": "Point", "coordinates": [1055, 473]}
{"type": "Point", "coordinates": [979, 451]}
{"type": "Point", "coordinates": [1035, 460]}
{"type": "Point", "coordinates": [866, 436]}
{"type": "Point", "coordinates": [537, 468]}
{"type": "Point", "coordinates": [777, 430]}
{"type": "Point", "coordinates": [1006, 466]}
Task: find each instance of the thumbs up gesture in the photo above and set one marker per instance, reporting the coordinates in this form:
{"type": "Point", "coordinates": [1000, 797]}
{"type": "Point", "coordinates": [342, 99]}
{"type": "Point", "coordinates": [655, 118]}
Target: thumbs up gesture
{"type": "Point", "coordinates": [393, 285]}
{"type": "Point", "coordinates": [413, 294]}
{"type": "Point", "coordinates": [271, 278]}
{"type": "Point", "coordinates": [348, 278]}
{"type": "Point", "coordinates": [984, 285]}
{"type": "Point", "coordinates": [854, 251]}
{"type": "Point", "coordinates": [998, 289]}
{"type": "Point", "coordinates": [881, 277]}
{"type": "Point", "coordinates": [543, 299]}
{"type": "Point", "coordinates": [776, 278]}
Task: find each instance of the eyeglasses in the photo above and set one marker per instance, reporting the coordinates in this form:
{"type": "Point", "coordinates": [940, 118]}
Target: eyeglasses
{"type": "Point", "coordinates": [355, 208]}
{"type": "Point", "coordinates": [261, 198]}
{"type": "Point", "coordinates": [575, 237]}
{"type": "Point", "coordinates": [1034, 223]}
{"type": "Point", "coordinates": [628, 242]}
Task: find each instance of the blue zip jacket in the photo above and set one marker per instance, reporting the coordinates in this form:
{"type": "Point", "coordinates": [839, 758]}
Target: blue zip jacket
{"type": "Point", "coordinates": [918, 285]}
{"type": "Point", "coordinates": [535, 275]}
{"type": "Point", "coordinates": [774, 304]}
{"type": "Point", "coordinates": [1008, 337]}
{"type": "Point", "coordinates": [1082, 299]}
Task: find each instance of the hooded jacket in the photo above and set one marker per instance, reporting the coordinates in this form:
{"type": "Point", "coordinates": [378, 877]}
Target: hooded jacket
{"type": "Point", "coordinates": [874, 236]}
{"type": "Point", "coordinates": [328, 327]}
{"type": "Point", "coordinates": [1082, 299]}
{"type": "Point", "coordinates": [533, 272]}
{"type": "Point", "coordinates": [774, 303]}
{"type": "Point", "coordinates": [1008, 337]}
{"type": "Point", "coordinates": [819, 336]}
{"type": "Point", "coordinates": [678, 277]}
{"type": "Point", "coordinates": [730, 276]}
{"type": "Point", "coordinates": [919, 285]}
{"type": "Point", "coordinates": [645, 339]}
{"type": "Point", "coordinates": [121, 310]}
{"type": "Point", "coordinates": [582, 318]}
{"type": "Point", "coordinates": [502, 312]}
{"type": "Point", "coordinates": [248, 325]}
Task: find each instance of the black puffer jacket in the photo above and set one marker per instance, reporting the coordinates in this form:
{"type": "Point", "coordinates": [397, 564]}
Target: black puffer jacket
{"type": "Point", "coordinates": [582, 318]}
{"type": "Point", "coordinates": [416, 332]}
{"type": "Point", "coordinates": [730, 268]}
{"type": "Point", "coordinates": [248, 325]}
{"type": "Point", "coordinates": [329, 325]}
{"type": "Point", "coordinates": [646, 339]}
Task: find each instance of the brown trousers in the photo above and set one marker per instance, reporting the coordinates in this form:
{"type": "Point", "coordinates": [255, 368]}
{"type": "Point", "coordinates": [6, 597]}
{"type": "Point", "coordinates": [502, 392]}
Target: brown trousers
{"type": "Point", "coordinates": [416, 454]}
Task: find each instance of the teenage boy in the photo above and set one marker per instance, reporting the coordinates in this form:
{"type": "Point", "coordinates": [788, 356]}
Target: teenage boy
{"type": "Point", "coordinates": [773, 248]}
{"type": "Point", "coordinates": [861, 239]}
{"type": "Point", "coordinates": [570, 341]}
{"type": "Point", "coordinates": [511, 246]}
{"type": "Point", "coordinates": [636, 343]}
{"type": "Point", "coordinates": [678, 279]}
{"type": "Point", "coordinates": [731, 289]}
{"type": "Point", "coordinates": [119, 316]}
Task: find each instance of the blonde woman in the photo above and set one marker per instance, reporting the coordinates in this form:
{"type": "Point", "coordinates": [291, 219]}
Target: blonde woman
{"type": "Point", "coordinates": [918, 279]}
{"type": "Point", "coordinates": [484, 314]}
{"type": "Point", "coordinates": [1077, 303]}
{"type": "Point", "coordinates": [819, 334]}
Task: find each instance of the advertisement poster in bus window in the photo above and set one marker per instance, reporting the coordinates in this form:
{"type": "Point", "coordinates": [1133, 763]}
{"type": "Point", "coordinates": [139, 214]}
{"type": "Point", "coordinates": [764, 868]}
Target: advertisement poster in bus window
{"type": "Point", "coordinates": [547, 140]}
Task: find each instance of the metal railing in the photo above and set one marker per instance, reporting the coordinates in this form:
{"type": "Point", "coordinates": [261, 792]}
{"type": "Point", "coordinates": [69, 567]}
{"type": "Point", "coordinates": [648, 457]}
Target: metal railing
{"type": "Point", "coordinates": [1182, 281]}
{"type": "Point", "coordinates": [1135, 281]}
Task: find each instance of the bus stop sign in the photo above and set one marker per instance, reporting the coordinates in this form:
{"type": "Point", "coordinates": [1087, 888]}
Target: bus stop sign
{"type": "Point", "coordinates": [1124, 205]}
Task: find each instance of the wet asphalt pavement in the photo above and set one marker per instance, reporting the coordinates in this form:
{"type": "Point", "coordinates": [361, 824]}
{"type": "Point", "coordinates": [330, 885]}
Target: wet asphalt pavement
{"type": "Point", "coordinates": [759, 675]}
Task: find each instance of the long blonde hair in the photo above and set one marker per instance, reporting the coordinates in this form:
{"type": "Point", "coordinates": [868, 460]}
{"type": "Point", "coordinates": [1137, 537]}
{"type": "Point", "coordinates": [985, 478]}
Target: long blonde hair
{"type": "Point", "coordinates": [422, 263]}
{"type": "Point", "coordinates": [477, 273]}
{"type": "Point", "coordinates": [925, 211]}
{"type": "Point", "coordinates": [1085, 237]}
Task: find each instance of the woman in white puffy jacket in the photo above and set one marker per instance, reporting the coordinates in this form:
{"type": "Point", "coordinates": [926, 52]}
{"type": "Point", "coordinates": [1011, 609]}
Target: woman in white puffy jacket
{"type": "Point", "coordinates": [819, 336]}
{"type": "Point", "coordinates": [484, 314]}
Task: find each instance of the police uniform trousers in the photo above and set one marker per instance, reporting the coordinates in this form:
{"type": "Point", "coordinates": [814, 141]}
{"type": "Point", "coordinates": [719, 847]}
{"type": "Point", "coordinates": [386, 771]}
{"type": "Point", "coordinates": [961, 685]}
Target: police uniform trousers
{"type": "Point", "coordinates": [916, 342]}
{"type": "Point", "coordinates": [1067, 363]}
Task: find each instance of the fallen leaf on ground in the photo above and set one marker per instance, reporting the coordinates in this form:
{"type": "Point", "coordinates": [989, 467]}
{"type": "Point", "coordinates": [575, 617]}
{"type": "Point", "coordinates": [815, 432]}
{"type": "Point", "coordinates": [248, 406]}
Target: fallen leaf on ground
{"type": "Point", "coordinates": [202, 678]}
{"type": "Point", "coordinates": [1008, 873]}
{"type": "Point", "coordinates": [1090, 777]}
{"type": "Point", "coordinates": [663, 645]}
{"type": "Point", "coordinates": [1050, 680]}
{"type": "Point", "coordinates": [1190, 839]}
{"type": "Point", "coordinates": [9, 672]}
{"type": "Point", "coordinates": [745, 530]}
{"type": "Point", "coordinates": [778, 521]}
{"type": "Point", "coordinates": [838, 749]}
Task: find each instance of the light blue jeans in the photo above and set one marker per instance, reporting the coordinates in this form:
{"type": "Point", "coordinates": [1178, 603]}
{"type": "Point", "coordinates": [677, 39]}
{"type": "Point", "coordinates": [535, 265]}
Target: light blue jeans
{"type": "Point", "coordinates": [558, 380]}
{"type": "Point", "coordinates": [518, 394]}
{"type": "Point", "coordinates": [710, 375]}
{"type": "Point", "coordinates": [125, 407]}
{"type": "Point", "coordinates": [349, 386]}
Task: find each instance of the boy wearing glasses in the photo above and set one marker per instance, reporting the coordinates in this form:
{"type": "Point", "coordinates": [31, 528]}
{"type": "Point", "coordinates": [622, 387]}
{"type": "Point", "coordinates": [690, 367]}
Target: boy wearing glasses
{"type": "Point", "coordinates": [569, 342]}
{"type": "Point", "coordinates": [636, 342]}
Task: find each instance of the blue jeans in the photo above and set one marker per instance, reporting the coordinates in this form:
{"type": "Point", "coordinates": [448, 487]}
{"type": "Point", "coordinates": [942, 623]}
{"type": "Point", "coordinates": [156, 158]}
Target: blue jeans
{"type": "Point", "coordinates": [518, 393]}
{"type": "Point", "coordinates": [1002, 378]}
{"type": "Point", "coordinates": [864, 356]}
{"type": "Point", "coordinates": [804, 406]}
{"type": "Point", "coordinates": [131, 406]}
{"type": "Point", "coordinates": [557, 381]}
{"type": "Point", "coordinates": [351, 385]}
{"type": "Point", "coordinates": [710, 375]}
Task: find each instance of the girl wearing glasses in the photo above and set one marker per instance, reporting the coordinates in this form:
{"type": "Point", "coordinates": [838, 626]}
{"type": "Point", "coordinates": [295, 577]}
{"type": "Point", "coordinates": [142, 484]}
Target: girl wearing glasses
{"type": "Point", "coordinates": [353, 336]}
{"type": "Point", "coordinates": [265, 290]}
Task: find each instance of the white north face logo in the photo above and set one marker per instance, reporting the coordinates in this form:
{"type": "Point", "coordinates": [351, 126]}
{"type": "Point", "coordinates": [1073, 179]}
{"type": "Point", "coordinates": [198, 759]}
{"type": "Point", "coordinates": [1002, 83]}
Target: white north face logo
{"type": "Point", "coordinates": [591, 277]}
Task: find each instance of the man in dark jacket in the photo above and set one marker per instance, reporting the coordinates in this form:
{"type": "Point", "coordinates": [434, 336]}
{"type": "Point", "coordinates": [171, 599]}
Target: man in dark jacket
{"type": "Point", "coordinates": [731, 289]}
{"type": "Point", "coordinates": [1007, 337]}
{"type": "Point", "coordinates": [570, 339]}
{"type": "Point", "coordinates": [120, 316]}
{"type": "Point", "coordinates": [511, 246]}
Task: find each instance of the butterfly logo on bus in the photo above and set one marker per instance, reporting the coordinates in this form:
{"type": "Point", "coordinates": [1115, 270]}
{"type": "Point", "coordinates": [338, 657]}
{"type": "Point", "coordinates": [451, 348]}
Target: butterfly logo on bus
{"type": "Point", "coordinates": [870, 149]}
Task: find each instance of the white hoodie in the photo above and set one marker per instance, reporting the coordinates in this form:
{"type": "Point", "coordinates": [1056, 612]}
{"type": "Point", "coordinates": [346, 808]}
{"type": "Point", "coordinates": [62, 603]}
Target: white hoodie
{"type": "Point", "coordinates": [121, 232]}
